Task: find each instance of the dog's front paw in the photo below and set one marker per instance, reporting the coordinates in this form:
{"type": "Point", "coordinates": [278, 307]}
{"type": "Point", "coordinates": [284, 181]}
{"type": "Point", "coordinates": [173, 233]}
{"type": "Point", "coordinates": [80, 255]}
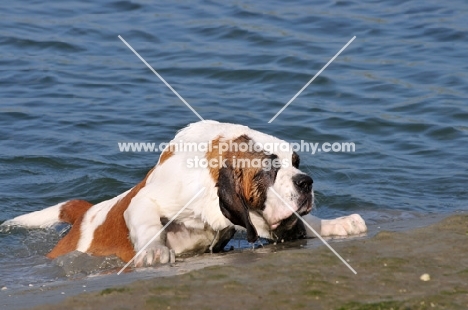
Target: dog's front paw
{"type": "Point", "coordinates": [344, 226]}
{"type": "Point", "coordinates": [153, 255]}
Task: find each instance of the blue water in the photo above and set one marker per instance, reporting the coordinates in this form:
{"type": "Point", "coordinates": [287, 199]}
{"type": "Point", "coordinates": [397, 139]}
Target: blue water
{"type": "Point", "coordinates": [71, 90]}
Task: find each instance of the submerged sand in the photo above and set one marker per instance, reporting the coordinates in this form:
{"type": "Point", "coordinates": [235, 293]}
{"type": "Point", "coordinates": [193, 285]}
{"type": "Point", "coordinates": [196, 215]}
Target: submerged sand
{"type": "Point", "coordinates": [425, 268]}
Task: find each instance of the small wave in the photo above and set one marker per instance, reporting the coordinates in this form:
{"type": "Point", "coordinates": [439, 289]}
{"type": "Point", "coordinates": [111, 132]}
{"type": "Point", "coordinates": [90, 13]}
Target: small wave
{"type": "Point", "coordinates": [77, 264]}
{"type": "Point", "coordinates": [29, 44]}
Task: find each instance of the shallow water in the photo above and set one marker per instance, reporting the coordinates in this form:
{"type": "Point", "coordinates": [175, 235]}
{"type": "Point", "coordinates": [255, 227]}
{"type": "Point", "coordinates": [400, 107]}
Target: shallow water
{"type": "Point", "coordinates": [71, 90]}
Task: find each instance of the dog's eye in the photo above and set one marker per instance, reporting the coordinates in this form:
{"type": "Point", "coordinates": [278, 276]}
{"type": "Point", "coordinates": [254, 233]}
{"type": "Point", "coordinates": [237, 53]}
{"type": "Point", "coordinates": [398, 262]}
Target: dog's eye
{"type": "Point", "coordinates": [295, 160]}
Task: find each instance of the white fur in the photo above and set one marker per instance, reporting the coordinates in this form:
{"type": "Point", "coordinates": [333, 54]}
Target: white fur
{"type": "Point", "coordinates": [38, 219]}
{"type": "Point", "coordinates": [340, 227]}
{"type": "Point", "coordinates": [343, 226]}
{"type": "Point", "coordinates": [275, 209]}
{"type": "Point", "coordinates": [164, 195]}
{"type": "Point", "coordinates": [262, 227]}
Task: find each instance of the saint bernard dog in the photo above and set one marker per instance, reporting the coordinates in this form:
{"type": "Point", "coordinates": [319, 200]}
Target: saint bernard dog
{"type": "Point", "coordinates": [241, 184]}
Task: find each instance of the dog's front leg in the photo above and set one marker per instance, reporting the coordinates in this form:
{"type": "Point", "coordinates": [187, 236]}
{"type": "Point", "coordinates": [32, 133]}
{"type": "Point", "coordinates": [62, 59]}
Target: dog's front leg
{"type": "Point", "coordinates": [343, 226]}
{"type": "Point", "coordinates": [146, 233]}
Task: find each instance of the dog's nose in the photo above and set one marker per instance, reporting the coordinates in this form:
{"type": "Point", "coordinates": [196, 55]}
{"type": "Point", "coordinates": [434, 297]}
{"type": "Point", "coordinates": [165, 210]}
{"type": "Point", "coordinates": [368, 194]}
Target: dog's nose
{"type": "Point", "coordinates": [303, 183]}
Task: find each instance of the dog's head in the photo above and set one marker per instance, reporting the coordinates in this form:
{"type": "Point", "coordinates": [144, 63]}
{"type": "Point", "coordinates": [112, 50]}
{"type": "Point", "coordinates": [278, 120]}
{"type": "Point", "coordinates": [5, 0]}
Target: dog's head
{"type": "Point", "coordinates": [255, 181]}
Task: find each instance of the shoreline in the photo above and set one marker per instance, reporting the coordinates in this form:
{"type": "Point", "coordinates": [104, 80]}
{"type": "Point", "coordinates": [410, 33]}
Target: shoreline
{"type": "Point", "coordinates": [389, 260]}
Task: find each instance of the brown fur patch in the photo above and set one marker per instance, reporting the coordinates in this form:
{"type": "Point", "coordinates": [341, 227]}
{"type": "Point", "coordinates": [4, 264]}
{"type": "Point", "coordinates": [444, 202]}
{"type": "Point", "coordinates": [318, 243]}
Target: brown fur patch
{"type": "Point", "coordinates": [112, 237]}
{"type": "Point", "coordinates": [69, 242]}
{"type": "Point", "coordinates": [73, 210]}
{"type": "Point", "coordinates": [244, 176]}
{"type": "Point", "coordinates": [214, 153]}
{"type": "Point", "coordinates": [166, 154]}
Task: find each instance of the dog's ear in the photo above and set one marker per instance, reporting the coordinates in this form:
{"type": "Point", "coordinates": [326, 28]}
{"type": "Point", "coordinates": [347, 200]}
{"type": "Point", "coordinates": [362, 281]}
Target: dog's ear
{"type": "Point", "coordinates": [261, 181]}
{"type": "Point", "coordinates": [232, 201]}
